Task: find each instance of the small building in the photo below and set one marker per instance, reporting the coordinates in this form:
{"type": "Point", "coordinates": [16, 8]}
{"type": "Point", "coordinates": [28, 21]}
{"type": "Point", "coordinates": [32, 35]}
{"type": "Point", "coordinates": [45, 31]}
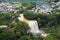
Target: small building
{"type": "Point", "coordinates": [6, 8]}
{"type": "Point", "coordinates": [58, 4]}
{"type": "Point", "coordinates": [45, 8]}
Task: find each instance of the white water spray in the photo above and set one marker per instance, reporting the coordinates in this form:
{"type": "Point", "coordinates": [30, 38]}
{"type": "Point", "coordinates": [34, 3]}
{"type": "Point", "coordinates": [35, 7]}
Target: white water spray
{"type": "Point", "coordinates": [34, 27]}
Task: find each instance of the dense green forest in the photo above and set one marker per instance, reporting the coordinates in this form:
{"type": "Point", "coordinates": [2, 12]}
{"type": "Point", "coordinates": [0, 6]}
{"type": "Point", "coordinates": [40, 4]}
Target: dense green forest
{"type": "Point", "coordinates": [18, 30]}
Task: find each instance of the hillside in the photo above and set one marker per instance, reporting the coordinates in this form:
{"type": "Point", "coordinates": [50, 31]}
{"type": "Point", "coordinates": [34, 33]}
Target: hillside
{"type": "Point", "coordinates": [23, 0]}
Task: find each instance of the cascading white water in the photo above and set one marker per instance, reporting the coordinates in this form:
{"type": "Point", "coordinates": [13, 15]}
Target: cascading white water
{"type": "Point", "coordinates": [21, 18]}
{"type": "Point", "coordinates": [33, 26]}
{"type": "Point", "coordinates": [35, 30]}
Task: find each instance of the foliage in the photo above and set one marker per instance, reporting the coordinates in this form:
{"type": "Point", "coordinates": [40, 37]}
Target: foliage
{"type": "Point", "coordinates": [30, 15]}
{"type": "Point", "coordinates": [17, 4]}
{"type": "Point", "coordinates": [29, 5]}
{"type": "Point", "coordinates": [7, 35]}
{"type": "Point", "coordinates": [6, 19]}
{"type": "Point", "coordinates": [18, 32]}
{"type": "Point", "coordinates": [45, 21]}
{"type": "Point", "coordinates": [20, 29]}
{"type": "Point", "coordinates": [51, 37]}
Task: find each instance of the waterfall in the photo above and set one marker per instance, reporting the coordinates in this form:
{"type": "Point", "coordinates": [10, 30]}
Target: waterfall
{"type": "Point", "coordinates": [35, 30]}
{"type": "Point", "coordinates": [33, 27]}
{"type": "Point", "coordinates": [32, 24]}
